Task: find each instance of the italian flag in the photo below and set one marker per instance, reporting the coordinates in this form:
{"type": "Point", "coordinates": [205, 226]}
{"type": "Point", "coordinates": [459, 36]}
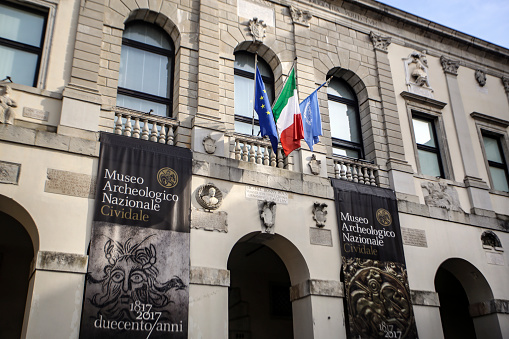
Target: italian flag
{"type": "Point", "coordinates": [287, 115]}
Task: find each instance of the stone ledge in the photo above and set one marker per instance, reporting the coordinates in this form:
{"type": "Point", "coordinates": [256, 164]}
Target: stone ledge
{"type": "Point", "coordinates": [260, 175]}
{"type": "Point", "coordinates": [326, 288]}
{"type": "Point", "coordinates": [424, 298]}
{"type": "Point", "coordinates": [209, 276]}
{"type": "Point", "coordinates": [60, 262]}
{"type": "Point", "coordinates": [489, 307]}
{"type": "Point", "coordinates": [27, 136]}
{"type": "Point", "coordinates": [497, 222]}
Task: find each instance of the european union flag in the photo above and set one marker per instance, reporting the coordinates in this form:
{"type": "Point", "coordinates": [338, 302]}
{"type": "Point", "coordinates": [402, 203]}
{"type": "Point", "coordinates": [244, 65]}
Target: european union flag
{"type": "Point", "coordinates": [262, 108]}
{"type": "Point", "coordinates": [311, 120]}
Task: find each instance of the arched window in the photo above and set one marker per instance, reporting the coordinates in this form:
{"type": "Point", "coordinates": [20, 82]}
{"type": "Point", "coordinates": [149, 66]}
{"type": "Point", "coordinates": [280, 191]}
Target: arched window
{"type": "Point", "coordinates": [344, 119]}
{"type": "Point", "coordinates": [244, 90]}
{"type": "Point", "coordinates": [146, 69]}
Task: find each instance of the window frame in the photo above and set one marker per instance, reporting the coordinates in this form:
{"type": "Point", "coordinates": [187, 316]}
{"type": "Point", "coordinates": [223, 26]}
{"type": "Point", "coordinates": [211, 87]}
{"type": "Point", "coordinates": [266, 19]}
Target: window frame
{"type": "Point", "coordinates": [341, 143]}
{"type": "Point", "coordinates": [251, 76]}
{"type": "Point", "coordinates": [420, 147]}
{"type": "Point", "coordinates": [168, 101]}
{"type": "Point", "coordinates": [495, 128]}
{"type": "Point", "coordinates": [48, 10]}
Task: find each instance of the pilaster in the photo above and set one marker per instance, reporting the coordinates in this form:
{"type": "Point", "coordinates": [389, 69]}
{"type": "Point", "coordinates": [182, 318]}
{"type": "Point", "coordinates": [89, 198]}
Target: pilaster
{"type": "Point", "coordinates": [400, 172]}
{"type": "Point", "coordinates": [478, 190]}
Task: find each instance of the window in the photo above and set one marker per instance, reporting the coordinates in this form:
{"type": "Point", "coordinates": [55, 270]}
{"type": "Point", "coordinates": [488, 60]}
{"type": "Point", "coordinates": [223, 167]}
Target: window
{"type": "Point", "coordinates": [496, 161]}
{"type": "Point", "coordinates": [246, 121]}
{"type": "Point", "coordinates": [344, 120]}
{"type": "Point", "coordinates": [428, 149]}
{"type": "Point", "coordinates": [22, 33]}
{"type": "Point", "coordinates": [146, 69]}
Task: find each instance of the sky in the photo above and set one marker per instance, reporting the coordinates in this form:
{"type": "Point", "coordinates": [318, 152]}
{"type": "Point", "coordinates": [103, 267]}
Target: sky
{"type": "Point", "coordinates": [484, 19]}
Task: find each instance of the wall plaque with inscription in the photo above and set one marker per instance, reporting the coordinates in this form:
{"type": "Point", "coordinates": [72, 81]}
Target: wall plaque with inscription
{"type": "Point", "coordinates": [320, 236]}
{"type": "Point", "coordinates": [9, 172]}
{"type": "Point", "coordinates": [70, 183]}
{"type": "Point", "coordinates": [37, 114]}
{"type": "Point", "coordinates": [414, 237]}
{"type": "Point", "coordinates": [260, 193]}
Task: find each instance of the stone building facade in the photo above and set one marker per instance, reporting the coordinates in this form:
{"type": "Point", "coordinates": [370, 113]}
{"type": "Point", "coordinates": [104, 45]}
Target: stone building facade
{"type": "Point", "coordinates": [411, 105]}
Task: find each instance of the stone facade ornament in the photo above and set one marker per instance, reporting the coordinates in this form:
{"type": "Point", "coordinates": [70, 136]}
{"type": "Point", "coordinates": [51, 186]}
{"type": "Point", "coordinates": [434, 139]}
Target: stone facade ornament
{"type": "Point", "coordinates": [209, 144]}
{"type": "Point", "coordinates": [300, 16]}
{"type": "Point", "coordinates": [6, 104]}
{"type": "Point", "coordinates": [320, 213]}
{"type": "Point", "coordinates": [379, 42]}
{"type": "Point", "coordinates": [257, 28]}
{"type": "Point", "coordinates": [267, 215]}
{"type": "Point", "coordinates": [480, 76]}
{"type": "Point", "coordinates": [505, 82]}
{"type": "Point", "coordinates": [315, 165]}
{"type": "Point", "coordinates": [417, 74]}
{"type": "Point", "coordinates": [491, 241]}
{"type": "Point", "coordinates": [209, 197]}
{"type": "Point", "coordinates": [449, 66]}
{"type": "Point", "coordinates": [441, 195]}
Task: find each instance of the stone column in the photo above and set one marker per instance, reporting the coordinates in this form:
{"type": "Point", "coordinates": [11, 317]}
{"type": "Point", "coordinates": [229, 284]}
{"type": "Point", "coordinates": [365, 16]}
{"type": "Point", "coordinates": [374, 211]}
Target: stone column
{"type": "Point", "coordinates": [81, 99]}
{"type": "Point", "coordinates": [400, 172]}
{"type": "Point", "coordinates": [478, 190]}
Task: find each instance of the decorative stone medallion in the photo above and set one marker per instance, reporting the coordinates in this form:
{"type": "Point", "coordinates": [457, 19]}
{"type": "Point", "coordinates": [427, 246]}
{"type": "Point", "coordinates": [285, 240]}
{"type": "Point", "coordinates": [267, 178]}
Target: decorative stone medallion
{"type": "Point", "coordinates": [209, 144]}
{"type": "Point", "coordinates": [9, 172]}
{"type": "Point", "coordinates": [299, 16]}
{"type": "Point", "coordinates": [480, 76]}
{"type": "Point", "coordinates": [267, 211]}
{"type": "Point", "coordinates": [209, 196]}
{"type": "Point", "coordinates": [257, 28]}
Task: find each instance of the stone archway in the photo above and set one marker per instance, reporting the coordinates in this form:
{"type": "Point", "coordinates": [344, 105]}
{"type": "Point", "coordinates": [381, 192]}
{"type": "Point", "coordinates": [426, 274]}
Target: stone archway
{"type": "Point", "coordinates": [461, 286]}
{"type": "Point", "coordinates": [262, 268]}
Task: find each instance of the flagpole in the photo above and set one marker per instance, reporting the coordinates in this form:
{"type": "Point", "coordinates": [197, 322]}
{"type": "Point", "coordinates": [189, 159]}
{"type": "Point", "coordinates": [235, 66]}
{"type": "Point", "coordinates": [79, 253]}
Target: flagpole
{"type": "Point", "coordinates": [287, 76]}
{"type": "Point", "coordinates": [254, 93]}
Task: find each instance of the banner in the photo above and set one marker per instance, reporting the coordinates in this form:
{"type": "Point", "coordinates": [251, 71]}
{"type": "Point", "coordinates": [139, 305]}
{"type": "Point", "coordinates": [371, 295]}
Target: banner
{"type": "Point", "coordinates": [377, 294]}
{"type": "Point", "coordinates": [137, 283]}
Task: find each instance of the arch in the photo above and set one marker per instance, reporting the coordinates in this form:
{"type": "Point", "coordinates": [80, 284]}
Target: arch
{"type": "Point", "coordinates": [264, 52]}
{"type": "Point", "coordinates": [453, 275]}
{"type": "Point", "coordinates": [159, 19]}
{"type": "Point", "coordinates": [18, 212]}
{"type": "Point", "coordinates": [18, 245]}
{"type": "Point", "coordinates": [264, 266]}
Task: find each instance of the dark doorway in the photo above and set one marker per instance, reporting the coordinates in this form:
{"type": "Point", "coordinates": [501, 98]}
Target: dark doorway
{"type": "Point", "coordinates": [456, 320]}
{"type": "Point", "coordinates": [16, 254]}
{"type": "Point", "coordinates": [259, 294]}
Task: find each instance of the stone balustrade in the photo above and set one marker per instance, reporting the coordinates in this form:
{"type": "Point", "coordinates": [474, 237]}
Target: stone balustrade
{"type": "Point", "coordinates": [144, 126]}
{"type": "Point", "coordinates": [355, 170]}
{"type": "Point", "coordinates": [257, 150]}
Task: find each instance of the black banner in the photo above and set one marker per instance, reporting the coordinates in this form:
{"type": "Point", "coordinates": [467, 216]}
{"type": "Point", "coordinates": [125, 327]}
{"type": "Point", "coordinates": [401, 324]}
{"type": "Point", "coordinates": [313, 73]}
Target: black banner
{"type": "Point", "coordinates": [138, 272]}
{"type": "Point", "coordinates": [373, 263]}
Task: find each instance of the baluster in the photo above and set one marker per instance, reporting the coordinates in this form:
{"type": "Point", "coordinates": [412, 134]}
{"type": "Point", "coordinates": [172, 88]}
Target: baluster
{"type": "Point", "coordinates": [280, 163]}
{"type": "Point", "coordinates": [153, 133]}
{"type": "Point", "coordinates": [162, 134]}
{"type": "Point", "coordinates": [136, 130]}
{"type": "Point", "coordinates": [348, 172]}
{"type": "Point", "coordinates": [144, 133]}
{"type": "Point", "coordinates": [342, 172]}
{"type": "Point", "coordinates": [354, 172]}
{"type": "Point", "coordinates": [365, 175]}
{"type": "Point", "coordinates": [287, 161]}
{"type": "Point", "coordinates": [259, 154]}
{"type": "Point", "coordinates": [361, 176]}
{"type": "Point", "coordinates": [266, 157]}
{"type": "Point", "coordinates": [272, 158]}
{"type": "Point", "coordinates": [118, 124]}
{"type": "Point", "coordinates": [237, 149]}
{"type": "Point", "coordinates": [252, 157]}
{"type": "Point", "coordinates": [128, 127]}
{"type": "Point", "coordinates": [372, 178]}
{"type": "Point", "coordinates": [170, 136]}
{"type": "Point", "coordinates": [336, 169]}
{"type": "Point", "coordinates": [245, 156]}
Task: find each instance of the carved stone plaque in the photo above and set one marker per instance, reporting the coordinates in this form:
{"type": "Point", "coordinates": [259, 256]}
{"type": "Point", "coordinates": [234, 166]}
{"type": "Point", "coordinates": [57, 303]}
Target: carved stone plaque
{"type": "Point", "coordinates": [70, 183]}
{"type": "Point", "coordinates": [209, 221]}
{"type": "Point", "coordinates": [33, 113]}
{"type": "Point", "coordinates": [260, 193]}
{"type": "Point", "coordinates": [320, 236]}
{"type": "Point", "coordinates": [9, 172]}
{"type": "Point", "coordinates": [413, 237]}
{"type": "Point", "coordinates": [495, 258]}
